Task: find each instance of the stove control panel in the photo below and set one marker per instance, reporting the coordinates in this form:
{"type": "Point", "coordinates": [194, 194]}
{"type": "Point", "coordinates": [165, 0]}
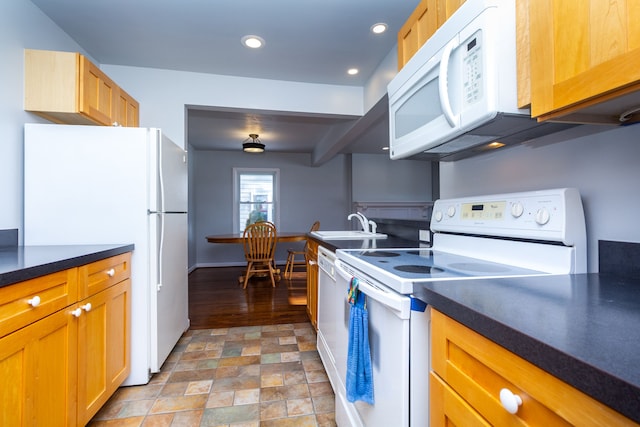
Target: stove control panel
{"type": "Point", "coordinates": [548, 215]}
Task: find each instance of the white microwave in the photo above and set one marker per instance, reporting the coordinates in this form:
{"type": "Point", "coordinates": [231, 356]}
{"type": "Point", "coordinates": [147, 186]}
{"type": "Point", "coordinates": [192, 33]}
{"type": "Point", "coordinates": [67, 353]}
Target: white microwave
{"type": "Point", "coordinates": [459, 91]}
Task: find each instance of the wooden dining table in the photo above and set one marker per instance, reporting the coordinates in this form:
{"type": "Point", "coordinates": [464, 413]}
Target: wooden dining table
{"type": "Point", "coordinates": [238, 238]}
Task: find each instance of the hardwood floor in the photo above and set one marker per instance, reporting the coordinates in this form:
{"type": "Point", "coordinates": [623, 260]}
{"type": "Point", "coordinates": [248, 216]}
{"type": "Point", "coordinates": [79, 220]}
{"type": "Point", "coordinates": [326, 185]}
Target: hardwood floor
{"type": "Point", "coordinates": [217, 300]}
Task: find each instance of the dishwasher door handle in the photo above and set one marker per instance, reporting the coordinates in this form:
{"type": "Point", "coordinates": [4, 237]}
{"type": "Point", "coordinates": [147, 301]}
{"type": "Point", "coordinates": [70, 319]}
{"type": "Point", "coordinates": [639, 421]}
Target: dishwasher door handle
{"type": "Point", "coordinates": [398, 303]}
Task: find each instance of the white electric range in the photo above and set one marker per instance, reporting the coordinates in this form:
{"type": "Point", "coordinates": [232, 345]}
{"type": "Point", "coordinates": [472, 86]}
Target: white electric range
{"type": "Point", "coordinates": [493, 236]}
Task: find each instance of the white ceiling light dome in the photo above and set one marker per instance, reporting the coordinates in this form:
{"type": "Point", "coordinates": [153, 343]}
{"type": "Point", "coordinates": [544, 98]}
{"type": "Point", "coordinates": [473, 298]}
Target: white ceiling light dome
{"type": "Point", "coordinates": [253, 42]}
{"type": "Point", "coordinates": [379, 28]}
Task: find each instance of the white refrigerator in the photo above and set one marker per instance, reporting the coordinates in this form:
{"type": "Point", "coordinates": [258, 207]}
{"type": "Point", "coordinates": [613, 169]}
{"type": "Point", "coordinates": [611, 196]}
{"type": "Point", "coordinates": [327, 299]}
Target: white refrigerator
{"type": "Point", "coordinates": [97, 185]}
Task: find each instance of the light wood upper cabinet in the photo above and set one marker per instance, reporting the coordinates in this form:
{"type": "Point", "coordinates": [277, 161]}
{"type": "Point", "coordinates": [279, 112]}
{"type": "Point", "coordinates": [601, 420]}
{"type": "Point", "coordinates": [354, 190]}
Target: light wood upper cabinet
{"type": "Point", "coordinates": [65, 87]}
{"type": "Point", "coordinates": [469, 372]}
{"type": "Point", "coordinates": [98, 93]}
{"type": "Point", "coordinates": [585, 59]}
{"type": "Point", "coordinates": [426, 18]}
{"type": "Point", "coordinates": [523, 54]}
{"type": "Point", "coordinates": [128, 110]}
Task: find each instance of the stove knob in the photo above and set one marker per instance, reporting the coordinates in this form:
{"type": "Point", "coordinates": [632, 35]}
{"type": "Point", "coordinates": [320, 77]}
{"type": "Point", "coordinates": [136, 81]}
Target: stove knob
{"type": "Point", "coordinates": [542, 216]}
{"type": "Point", "coordinates": [438, 216]}
{"type": "Point", "coordinates": [451, 211]}
{"type": "Point", "coordinates": [517, 210]}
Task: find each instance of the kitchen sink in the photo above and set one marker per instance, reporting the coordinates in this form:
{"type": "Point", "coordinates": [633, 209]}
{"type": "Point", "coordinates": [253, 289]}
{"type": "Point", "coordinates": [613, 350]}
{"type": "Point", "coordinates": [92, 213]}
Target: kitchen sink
{"type": "Point", "coordinates": [346, 235]}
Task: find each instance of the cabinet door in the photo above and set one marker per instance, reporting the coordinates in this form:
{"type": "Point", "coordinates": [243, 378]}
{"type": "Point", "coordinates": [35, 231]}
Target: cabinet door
{"type": "Point", "coordinates": [422, 23]}
{"type": "Point", "coordinates": [312, 282]}
{"type": "Point", "coordinates": [426, 18]}
{"type": "Point", "coordinates": [583, 53]}
{"type": "Point", "coordinates": [128, 110]}
{"type": "Point", "coordinates": [38, 371]}
{"type": "Point", "coordinates": [98, 94]}
{"type": "Point", "coordinates": [103, 347]}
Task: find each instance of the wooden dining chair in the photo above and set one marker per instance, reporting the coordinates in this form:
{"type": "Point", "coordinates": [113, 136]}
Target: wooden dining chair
{"type": "Point", "coordinates": [259, 242]}
{"type": "Point", "coordinates": [291, 255]}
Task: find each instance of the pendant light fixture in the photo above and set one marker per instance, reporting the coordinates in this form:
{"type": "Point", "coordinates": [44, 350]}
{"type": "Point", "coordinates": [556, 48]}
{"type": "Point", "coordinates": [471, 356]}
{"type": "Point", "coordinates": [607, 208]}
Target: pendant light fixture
{"type": "Point", "coordinates": [253, 146]}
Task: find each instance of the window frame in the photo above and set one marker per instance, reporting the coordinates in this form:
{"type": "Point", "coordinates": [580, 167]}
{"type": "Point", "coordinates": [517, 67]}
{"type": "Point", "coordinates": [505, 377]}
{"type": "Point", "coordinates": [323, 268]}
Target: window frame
{"type": "Point", "coordinates": [237, 173]}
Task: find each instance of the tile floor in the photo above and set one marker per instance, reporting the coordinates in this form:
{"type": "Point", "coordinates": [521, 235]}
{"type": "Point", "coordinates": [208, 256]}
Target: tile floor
{"type": "Point", "coordinates": [245, 376]}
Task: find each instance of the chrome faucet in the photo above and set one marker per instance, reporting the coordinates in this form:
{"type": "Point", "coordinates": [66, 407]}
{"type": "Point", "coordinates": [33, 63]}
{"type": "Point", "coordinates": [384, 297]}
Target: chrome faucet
{"type": "Point", "coordinates": [367, 226]}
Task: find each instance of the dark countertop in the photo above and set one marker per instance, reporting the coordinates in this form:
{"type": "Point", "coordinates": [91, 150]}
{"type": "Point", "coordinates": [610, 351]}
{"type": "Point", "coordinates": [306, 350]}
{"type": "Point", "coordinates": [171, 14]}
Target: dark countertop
{"type": "Point", "coordinates": [20, 263]}
{"type": "Point", "coordinates": [388, 242]}
{"type": "Point", "coordinates": [583, 329]}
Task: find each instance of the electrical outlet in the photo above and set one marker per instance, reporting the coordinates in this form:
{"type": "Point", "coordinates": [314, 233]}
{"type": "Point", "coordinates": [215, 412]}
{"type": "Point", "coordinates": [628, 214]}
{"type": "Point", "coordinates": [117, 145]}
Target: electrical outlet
{"type": "Point", "coordinates": [424, 236]}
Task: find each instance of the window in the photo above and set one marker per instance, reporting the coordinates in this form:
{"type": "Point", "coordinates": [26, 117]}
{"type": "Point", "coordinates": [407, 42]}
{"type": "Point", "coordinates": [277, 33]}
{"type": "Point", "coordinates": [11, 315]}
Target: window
{"type": "Point", "coordinates": [256, 195]}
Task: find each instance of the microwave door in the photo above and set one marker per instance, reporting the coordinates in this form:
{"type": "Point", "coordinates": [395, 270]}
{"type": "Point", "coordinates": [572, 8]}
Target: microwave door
{"type": "Point", "coordinates": [427, 112]}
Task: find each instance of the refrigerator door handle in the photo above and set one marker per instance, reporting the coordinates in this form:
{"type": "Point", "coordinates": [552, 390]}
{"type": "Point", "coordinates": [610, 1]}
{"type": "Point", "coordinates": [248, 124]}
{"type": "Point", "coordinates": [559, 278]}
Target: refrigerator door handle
{"type": "Point", "coordinates": [160, 170]}
{"type": "Point", "coordinates": [160, 253]}
{"type": "Point", "coordinates": [160, 248]}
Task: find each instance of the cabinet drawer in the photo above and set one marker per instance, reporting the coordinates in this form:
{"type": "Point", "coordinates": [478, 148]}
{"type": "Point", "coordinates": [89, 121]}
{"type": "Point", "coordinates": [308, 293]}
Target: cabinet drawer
{"type": "Point", "coordinates": [477, 369]}
{"type": "Point", "coordinates": [99, 275]}
{"type": "Point", "coordinates": [29, 301]}
{"type": "Point", "coordinates": [449, 408]}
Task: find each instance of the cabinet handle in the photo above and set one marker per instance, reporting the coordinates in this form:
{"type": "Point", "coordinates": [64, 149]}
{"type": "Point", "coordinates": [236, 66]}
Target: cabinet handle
{"type": "Point", "coordinates": [510, 401]}
{"type": "Point", "coordinates": [34, 302]}
{"type": "Point", "coordinates": [77, 312]}
{"type": "Point", "coordinates": [86, 307]}
{"type": "Point", "coordinates": [111, 272]}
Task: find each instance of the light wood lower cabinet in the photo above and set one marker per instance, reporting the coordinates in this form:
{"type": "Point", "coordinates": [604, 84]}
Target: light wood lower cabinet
{"type": "Point", "coordinates": [312, 282]}
{"type": "Point", "coordinates": [61, 367]}
{"type": "Point", "coordinates": [469, 371]}
{"type": "Point", "coordinates": [103, 348]}
{"type": "Point", "coordinates": [38, 367]}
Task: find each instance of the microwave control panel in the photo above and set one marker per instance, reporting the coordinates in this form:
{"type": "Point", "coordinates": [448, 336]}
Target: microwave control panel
{"type": "Point", "coordinates": [472, 59]}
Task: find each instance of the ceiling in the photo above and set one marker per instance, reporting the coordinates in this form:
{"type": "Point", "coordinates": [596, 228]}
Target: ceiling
{"type": "Point", "coordinates": [305, 41]}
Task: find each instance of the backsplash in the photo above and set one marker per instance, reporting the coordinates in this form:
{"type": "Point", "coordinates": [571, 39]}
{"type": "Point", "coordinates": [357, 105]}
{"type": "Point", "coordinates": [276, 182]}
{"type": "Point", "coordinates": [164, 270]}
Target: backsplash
{"type": "Point", "coordinates": [9, 237]}
{"type": "Point", "coordinates": [406, 229]}
{"type": "Point", "coordinates": [619, 258]}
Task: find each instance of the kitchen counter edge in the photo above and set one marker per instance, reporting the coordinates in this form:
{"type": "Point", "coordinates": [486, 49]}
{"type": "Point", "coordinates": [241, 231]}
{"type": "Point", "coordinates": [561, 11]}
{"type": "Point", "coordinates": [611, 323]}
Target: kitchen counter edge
{"type": "Point", "coordinates": [559, 351]}
{"type": "Point", "coordinates": [386, 243]}
{"type": "Point", "coordinates": [21, 263]}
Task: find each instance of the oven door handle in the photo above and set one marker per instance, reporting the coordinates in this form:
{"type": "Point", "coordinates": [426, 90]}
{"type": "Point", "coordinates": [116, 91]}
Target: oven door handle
{"type": "Point", "coordinates": [399, 304]}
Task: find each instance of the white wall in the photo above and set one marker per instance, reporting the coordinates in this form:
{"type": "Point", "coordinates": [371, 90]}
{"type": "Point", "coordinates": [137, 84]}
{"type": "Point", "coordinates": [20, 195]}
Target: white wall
{"type": "Point", "coordinates": [163, 95]}
{"type": "Point", "coordinates": [307, 194]}
{"type": "Point", "coordinates": [22, 25]}
{"type": "Point", "coordinates": [376, 86]}
{"type": "Point", "coordinates": [605, 167]}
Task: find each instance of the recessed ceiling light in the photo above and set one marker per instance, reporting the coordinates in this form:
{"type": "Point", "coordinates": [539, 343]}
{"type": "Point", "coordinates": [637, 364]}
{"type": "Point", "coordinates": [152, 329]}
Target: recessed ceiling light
{"type": "Point", "coordinates": [254, 42]}
{"type": "Point", "coordinates": [352, 71]}
{"type": "Point", "coordinates": [385, 148]}
{"type": "Point", "coordinates": [379, 28]}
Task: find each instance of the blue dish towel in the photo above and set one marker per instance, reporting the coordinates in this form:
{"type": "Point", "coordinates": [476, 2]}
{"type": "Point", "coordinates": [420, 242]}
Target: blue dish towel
{"type": "Point", "coordinates": [359, 379]}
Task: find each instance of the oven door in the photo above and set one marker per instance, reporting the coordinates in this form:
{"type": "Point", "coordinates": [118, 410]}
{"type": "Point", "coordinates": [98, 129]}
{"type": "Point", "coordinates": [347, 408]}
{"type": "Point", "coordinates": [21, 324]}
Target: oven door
{"type": "Point", "coordinates": [389, 322]}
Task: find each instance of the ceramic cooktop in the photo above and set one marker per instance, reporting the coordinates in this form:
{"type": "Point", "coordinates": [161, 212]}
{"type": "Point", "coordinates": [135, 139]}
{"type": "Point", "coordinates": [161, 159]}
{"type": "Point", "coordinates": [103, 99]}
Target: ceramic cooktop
{"type": "Point", "coordinates": [400, 268]}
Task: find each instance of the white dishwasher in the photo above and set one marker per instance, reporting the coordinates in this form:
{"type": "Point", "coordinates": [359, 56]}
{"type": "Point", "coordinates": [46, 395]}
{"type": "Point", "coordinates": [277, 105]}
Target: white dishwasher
{"type": "Point", "coordinates": [330, 314]}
